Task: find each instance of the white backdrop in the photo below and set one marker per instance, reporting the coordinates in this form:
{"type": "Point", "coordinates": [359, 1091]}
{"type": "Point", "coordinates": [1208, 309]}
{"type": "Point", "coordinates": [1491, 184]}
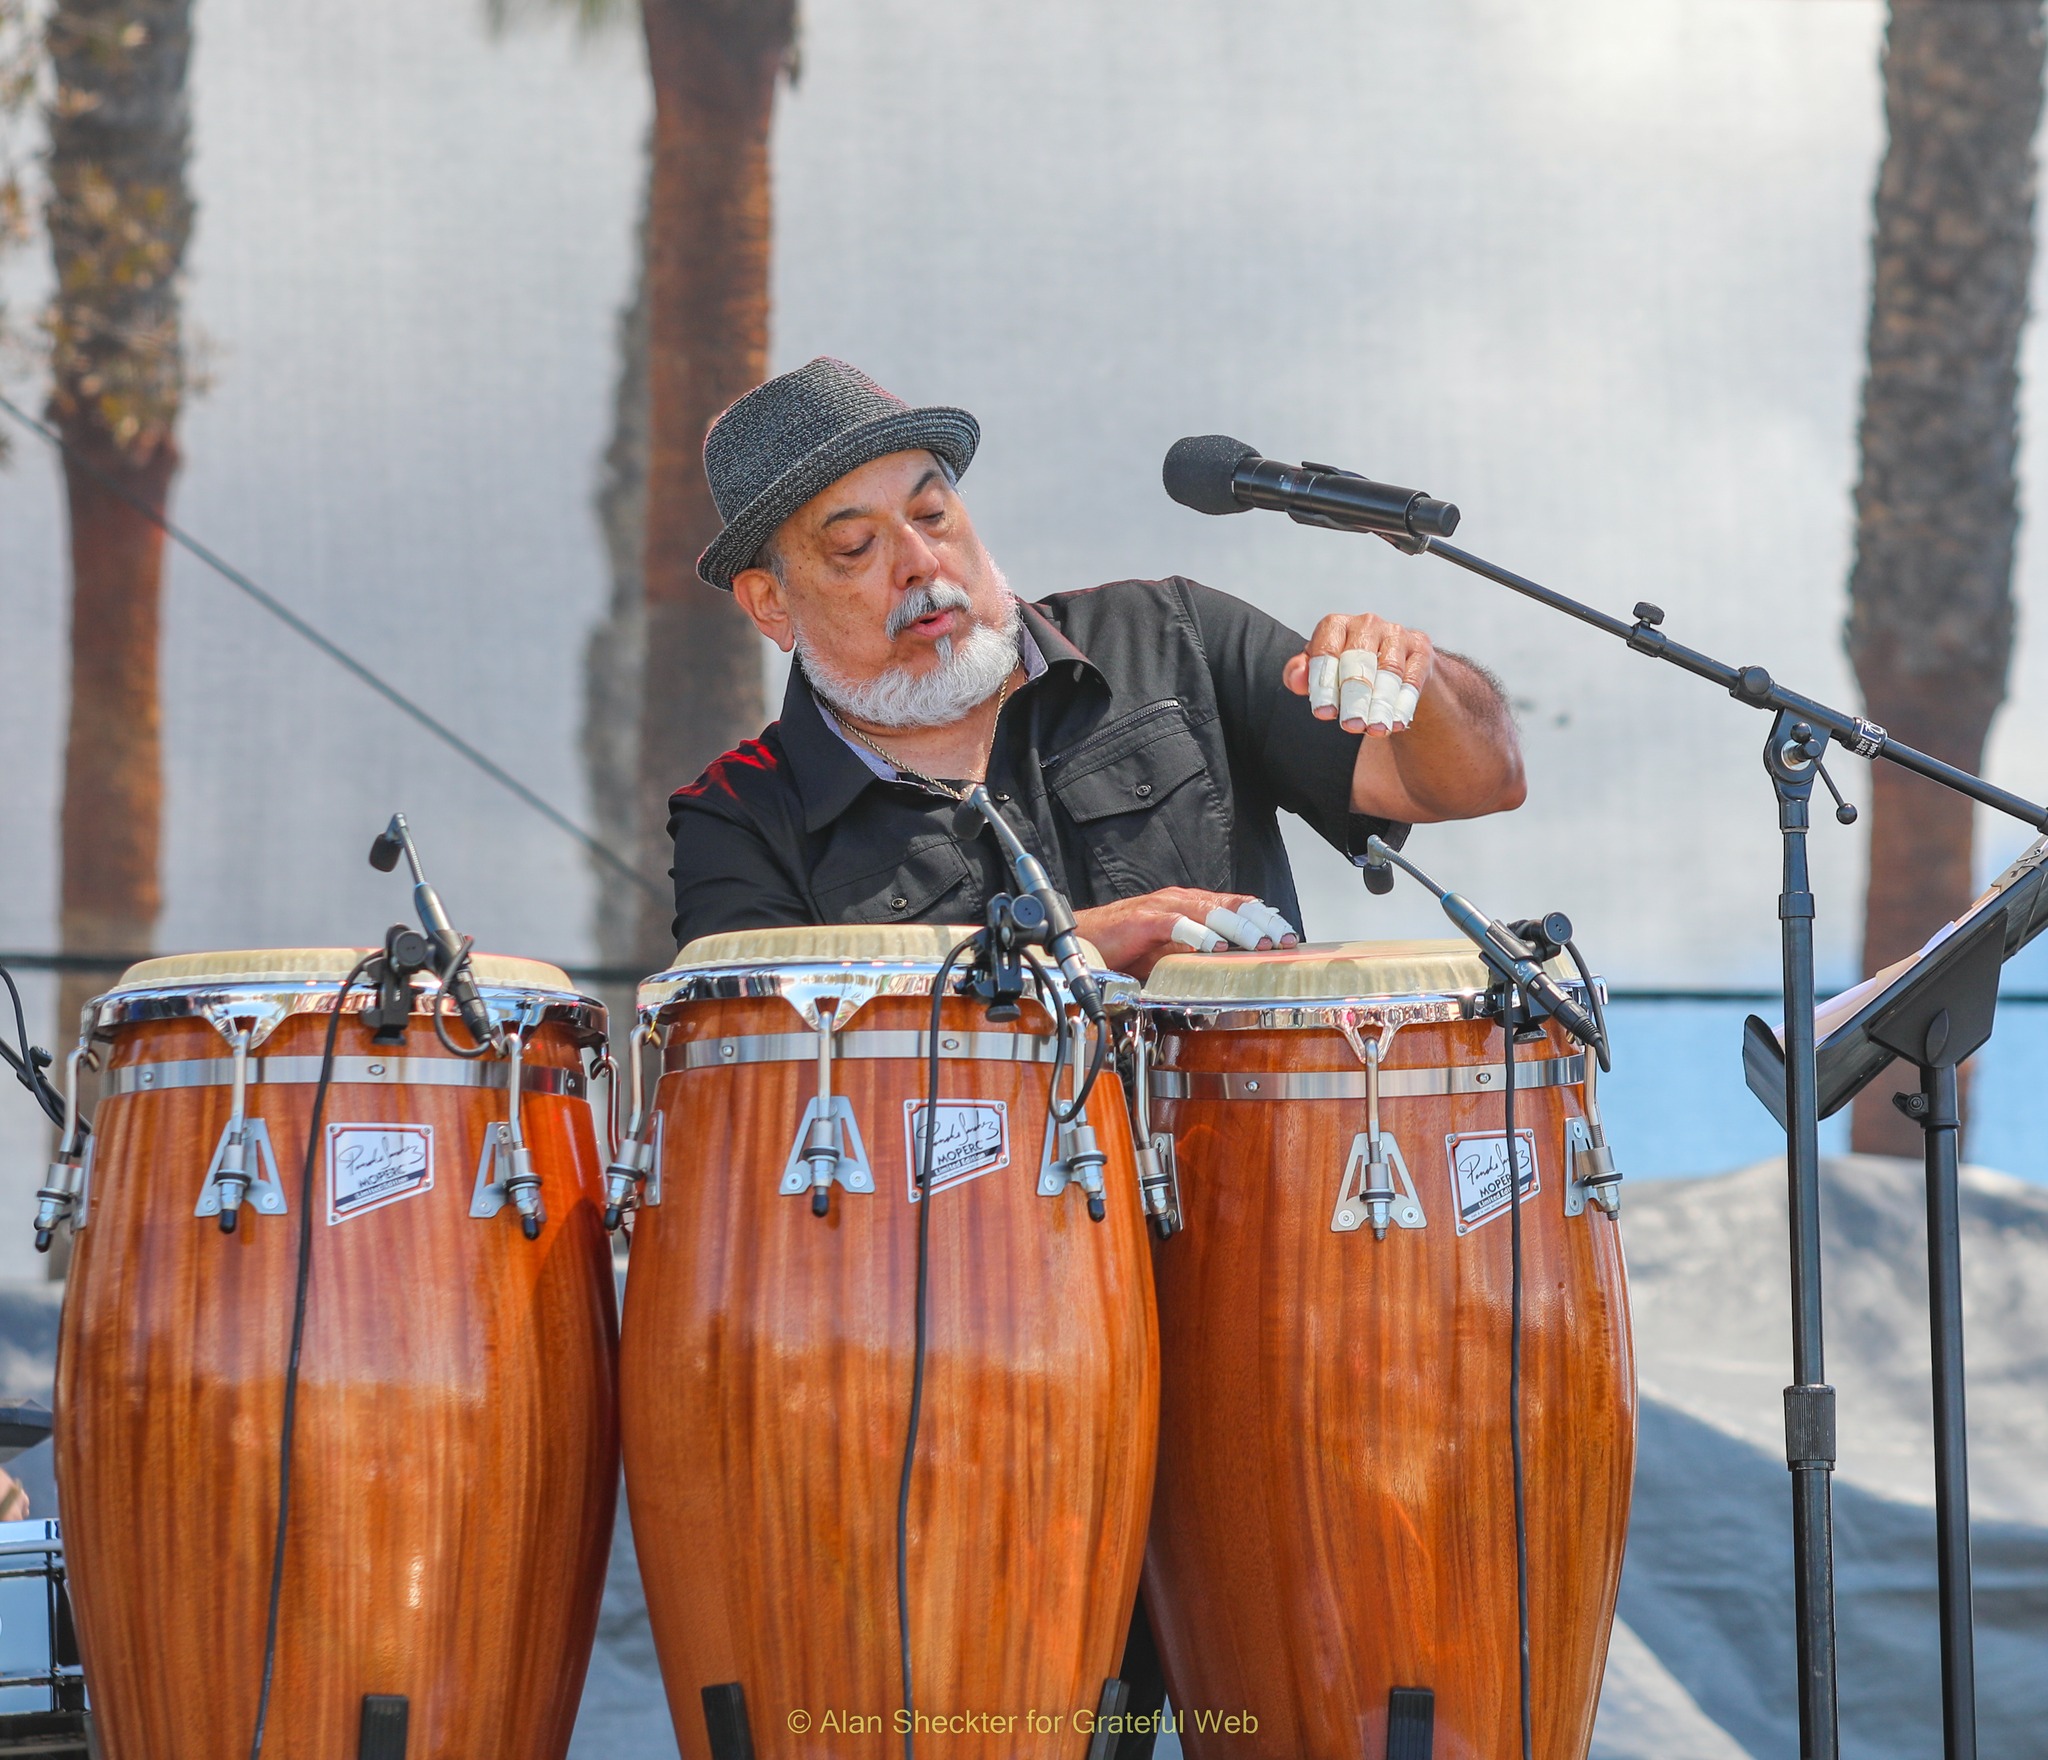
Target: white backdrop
{"type": "Point", "coordinates": [1594, 269]}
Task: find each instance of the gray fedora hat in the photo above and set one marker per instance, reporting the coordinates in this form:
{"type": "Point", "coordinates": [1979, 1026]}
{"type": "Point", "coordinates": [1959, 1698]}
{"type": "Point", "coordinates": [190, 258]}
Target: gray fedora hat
{"type": "Point", "coordinates": [776, 447]}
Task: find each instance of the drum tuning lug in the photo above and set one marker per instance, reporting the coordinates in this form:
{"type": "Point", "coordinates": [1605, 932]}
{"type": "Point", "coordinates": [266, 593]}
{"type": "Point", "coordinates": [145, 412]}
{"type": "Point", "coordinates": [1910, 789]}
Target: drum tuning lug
{"type": "Point", "coordinates": [821, 1154]}
{"type": "Point", "coordinates": [1377, 1190]}
{"type": "Point", "coordinates": [1594, 1179]}
{"type": "Point", "coordinates": [626, 1178]}
{"type": "Point", "coordinates": [56, 1199]}
{"type": "Point", "coordinates": [1159, 1185]}
{"type": "Point", "coordinates": [522, 1186]}
{"type": "Point", "coordinates": [60, 1198]}
{"type": "Point", "coordinates": [1080, 1162]}
{"type": "Point", "coordinates": [244, 1166]}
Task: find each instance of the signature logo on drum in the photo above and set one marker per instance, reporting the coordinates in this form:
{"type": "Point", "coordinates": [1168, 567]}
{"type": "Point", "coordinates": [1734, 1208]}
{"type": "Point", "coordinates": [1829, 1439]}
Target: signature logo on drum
{"type": "Point", "coordinates": [371, 1165]}
{"type": "Point", "coordinates": [1479, 1173]}
{"type": "Point", "coordinates": [972, 1138]}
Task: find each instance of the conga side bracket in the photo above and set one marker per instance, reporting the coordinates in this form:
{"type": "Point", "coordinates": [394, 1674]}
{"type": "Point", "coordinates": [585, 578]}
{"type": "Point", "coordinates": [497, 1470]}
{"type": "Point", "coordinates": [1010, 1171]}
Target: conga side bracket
{"type": "Point", "coordinates": [1590, 1177]}
{"type": "Point", "coordinates": [494, 1166]}
{"type": "Point", "coordinates": [1351, 1213]}
{"type": "Point", "coordinates": [265, 1190]}
{"type": "Point", "coordinates": [852, 1171]}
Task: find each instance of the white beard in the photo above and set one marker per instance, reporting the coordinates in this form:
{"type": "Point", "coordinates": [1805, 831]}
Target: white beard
{"type": "Point", "coordinates": [969, 672]}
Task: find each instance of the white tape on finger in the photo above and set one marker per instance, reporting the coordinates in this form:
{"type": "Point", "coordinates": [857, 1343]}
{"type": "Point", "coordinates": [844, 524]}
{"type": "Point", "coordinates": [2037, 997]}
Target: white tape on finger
{"type": "Point", "coordinates": [1355, 669]}
{"type": "Point", "coordinates": [1189, 933]}
{"type": "Point", "coordinates": [1235, 927]}
{"type": "Point", "coordinates": [1322, 681]}
{"type": "Point", "coordinates": [1404, 705]}
{"type": "Point", "coordinates": [1386, 692]}
{"type": "Point", "coordinates": [1267, 918]}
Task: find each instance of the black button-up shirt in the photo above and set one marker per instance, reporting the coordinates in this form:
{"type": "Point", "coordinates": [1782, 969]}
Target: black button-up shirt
{"type": "Point", "coordinates": [1157, 748]}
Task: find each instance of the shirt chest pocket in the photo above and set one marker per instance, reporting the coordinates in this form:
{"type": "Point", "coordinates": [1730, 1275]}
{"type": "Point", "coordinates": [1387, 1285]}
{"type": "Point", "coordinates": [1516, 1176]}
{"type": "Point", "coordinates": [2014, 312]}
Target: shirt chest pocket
{"type": "Point", "coordinates": [907, 890]}
{"type": "Point", "coordinates": [1145, 806]}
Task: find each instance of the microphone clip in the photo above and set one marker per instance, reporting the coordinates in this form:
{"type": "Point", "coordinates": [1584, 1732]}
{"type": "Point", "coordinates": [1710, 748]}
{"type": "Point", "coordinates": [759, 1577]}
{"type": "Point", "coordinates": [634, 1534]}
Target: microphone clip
{"type": "Point", "coordinates": [999, 976]}
{"type": "Point", "coordinates": [406, 954]}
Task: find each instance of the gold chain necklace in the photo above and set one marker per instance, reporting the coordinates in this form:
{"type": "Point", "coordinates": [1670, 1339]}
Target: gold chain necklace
{"type": "Point", "coordinates": [932, 782]}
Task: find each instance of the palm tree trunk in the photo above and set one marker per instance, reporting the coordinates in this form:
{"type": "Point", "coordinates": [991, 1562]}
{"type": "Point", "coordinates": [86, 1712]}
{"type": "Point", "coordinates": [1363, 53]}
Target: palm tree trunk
{"type": "Point", "coordinates": [715, 65]}
{"type": "Point", "coordinates": [616, 655]}
{"type": "Point", "coordinates": [119, 215]}
{"type": "Point", "coordinates": [1930, 621]}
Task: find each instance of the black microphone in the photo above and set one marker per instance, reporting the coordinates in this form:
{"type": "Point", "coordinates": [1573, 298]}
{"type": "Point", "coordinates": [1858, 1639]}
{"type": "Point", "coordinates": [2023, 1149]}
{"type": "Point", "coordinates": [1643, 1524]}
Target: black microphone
{"type": "Point", "coordinates": [392, 842]}
{"type": "Point", "coordinates": [1212, 473]}
{"type": "Point", "coordinates": [1061, 936]}
{"type": "Point", "coordinates": [1511, 955]}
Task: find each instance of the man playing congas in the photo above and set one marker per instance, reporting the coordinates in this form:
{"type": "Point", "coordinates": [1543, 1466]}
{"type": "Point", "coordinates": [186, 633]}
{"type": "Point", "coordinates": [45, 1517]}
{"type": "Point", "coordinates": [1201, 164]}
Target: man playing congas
{"type": "Point", "coordinates": [1144, 736]}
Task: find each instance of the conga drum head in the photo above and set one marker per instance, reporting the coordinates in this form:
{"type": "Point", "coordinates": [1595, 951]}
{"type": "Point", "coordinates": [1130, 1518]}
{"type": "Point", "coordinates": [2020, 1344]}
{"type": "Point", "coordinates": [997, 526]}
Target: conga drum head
{"type": "Point", "coordinates": [768, 1349]}
{"type": "Point", "coordinates": [454, 1467]}
{"type": "Point", "coordinates": [1333, 1531]}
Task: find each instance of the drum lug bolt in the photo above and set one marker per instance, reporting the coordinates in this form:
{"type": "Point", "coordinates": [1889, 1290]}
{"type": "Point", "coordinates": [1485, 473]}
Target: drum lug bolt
{"type": "Point", "coordinates": [522, 1186]}
{"type": "Point", "coordinates": [55, 1200]}
{"type": "Point", "coordinates": [1084, 1163]}
{"type": "Point", "coordinates": [1379, 1195]}
{"type": "Point", "coordinates": [821, 1151]}
{"type": "Point", "coordinates": [624, 1178]}
{"type": "Point", "coordinates": [233, 1180]}
{"type": "Point", "coordinates": [1159, 1185]}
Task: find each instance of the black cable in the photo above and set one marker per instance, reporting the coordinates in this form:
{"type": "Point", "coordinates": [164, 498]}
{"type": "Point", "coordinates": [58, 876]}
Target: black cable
{"type": "Point", "coordinates": [924, 1237]}
{"type": "Point", "coordinates": [291, 1375]}
{"type": "Point", "coordinates": [1048, 994]}
{"type": "Point", "coordinates": [441, 995]}
{"type": "Point", "coordinates": [340, 655]}
{"type": "Point", "coordinates": [30, 1061]}
{"type": "Point", "coordinates": [1508, 1014]}
{"type": "Point", "coordinates": [1593, 1004]}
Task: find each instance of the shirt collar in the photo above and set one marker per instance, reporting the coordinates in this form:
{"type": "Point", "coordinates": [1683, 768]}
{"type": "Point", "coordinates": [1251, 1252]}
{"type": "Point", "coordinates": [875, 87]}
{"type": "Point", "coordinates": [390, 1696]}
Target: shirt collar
{"type": "Point", "coordinates": [830, 769]}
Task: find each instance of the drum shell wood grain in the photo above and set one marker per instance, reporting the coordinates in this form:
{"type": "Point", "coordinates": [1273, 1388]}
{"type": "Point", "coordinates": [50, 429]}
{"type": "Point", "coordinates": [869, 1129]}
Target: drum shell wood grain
{"type": "Point", "coordinates": [456, 1460]}
{"type": "Point", "coordinates": [1334, 1512]}
{"type": "Point", "coordinates": [765, 1380]}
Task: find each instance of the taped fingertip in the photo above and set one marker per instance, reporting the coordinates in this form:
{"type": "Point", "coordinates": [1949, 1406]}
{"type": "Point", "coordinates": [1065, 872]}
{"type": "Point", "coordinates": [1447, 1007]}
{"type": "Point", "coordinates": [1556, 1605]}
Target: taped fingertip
{"type": "Point", "coordinates": [1235, 928]}
{"type": "Point", "coordinates": [1322, 683]}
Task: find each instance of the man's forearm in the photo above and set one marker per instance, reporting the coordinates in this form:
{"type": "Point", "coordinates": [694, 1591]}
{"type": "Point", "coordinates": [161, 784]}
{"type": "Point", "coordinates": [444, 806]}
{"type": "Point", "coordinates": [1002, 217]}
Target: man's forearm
{"type": "Point", "coordinates": [1461, 757]}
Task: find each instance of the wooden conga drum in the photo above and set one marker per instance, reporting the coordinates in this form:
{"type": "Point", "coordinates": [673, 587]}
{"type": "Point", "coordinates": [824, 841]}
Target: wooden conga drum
{"type": "Point", "coordinates": [1334, 1517]}
{"type": "Point", "coordinates": [766, 1362]}
{"type": "Point", "coordinates": [456, 1458]}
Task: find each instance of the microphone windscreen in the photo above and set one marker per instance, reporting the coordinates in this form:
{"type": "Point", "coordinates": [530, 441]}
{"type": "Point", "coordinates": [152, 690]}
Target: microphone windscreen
{"type": "Point", "coordinates": [1199, 469]}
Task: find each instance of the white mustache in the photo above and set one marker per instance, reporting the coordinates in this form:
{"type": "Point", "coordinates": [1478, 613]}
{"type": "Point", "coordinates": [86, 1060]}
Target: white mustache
{"type": "Point", "coordinates": [922, 602]}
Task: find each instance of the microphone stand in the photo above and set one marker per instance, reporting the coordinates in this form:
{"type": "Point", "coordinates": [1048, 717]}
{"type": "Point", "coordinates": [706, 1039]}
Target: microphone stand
{"type": "Point", "coordinates": [1800, 731]}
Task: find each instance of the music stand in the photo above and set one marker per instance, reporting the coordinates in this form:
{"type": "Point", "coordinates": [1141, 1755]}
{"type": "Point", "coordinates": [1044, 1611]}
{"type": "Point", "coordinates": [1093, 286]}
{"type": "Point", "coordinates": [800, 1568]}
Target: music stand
{"type": "Point", "coordinates": [1934, 1011]}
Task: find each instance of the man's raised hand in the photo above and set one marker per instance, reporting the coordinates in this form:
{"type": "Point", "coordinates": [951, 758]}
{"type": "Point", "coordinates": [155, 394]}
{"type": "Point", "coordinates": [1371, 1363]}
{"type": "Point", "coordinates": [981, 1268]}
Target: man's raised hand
{"type": "Point", "coordinates": [1363, 672]}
